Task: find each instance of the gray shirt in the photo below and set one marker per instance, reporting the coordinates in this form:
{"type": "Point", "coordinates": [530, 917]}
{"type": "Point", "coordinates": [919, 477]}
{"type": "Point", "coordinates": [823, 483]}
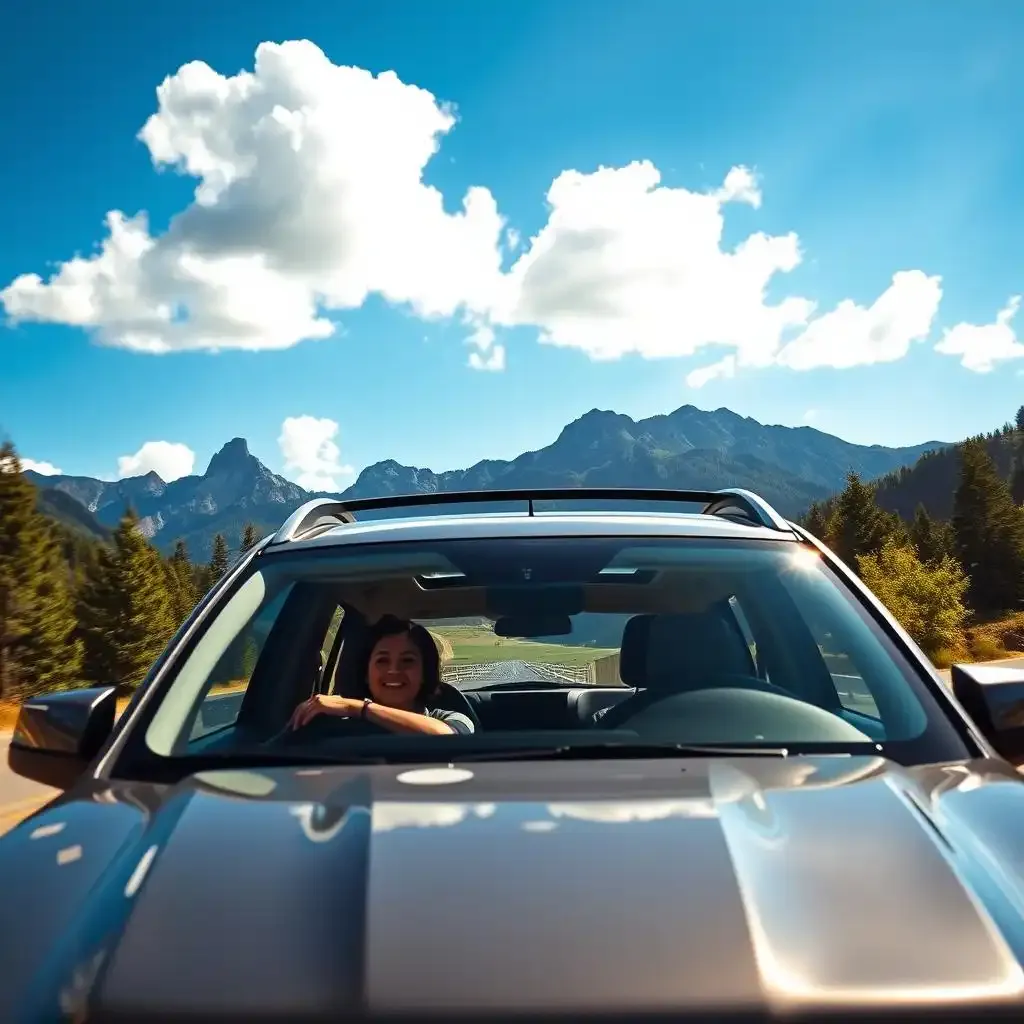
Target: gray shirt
{"type": "Point", "coordinates": [455, 720]}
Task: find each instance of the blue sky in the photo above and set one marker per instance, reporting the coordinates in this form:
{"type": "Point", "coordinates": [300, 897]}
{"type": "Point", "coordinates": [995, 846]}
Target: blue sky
{"type": "Point", "coordinates": [864, 141]}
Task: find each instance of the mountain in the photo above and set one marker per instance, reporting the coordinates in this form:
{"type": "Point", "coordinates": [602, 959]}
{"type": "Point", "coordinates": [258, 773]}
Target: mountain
{"type": "Point", "coordinates": [688, 448]}
{"type": "Point", "coordinates": [235, 489]}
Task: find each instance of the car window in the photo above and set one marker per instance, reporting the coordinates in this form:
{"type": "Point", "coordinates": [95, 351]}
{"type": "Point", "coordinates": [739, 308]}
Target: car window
{"type": "Point", "coordinates": [748, 636]}
{"type": "Point", "coordinates": [677, 639]}
{"type": "Point", "coordinates": [851, 688]}
{"type": "Point", "coordinates": [228, 680]}
{"type": "Point", "coordinates": [327, 647]}
{"type": "Point", "coordinates": [474, 656]}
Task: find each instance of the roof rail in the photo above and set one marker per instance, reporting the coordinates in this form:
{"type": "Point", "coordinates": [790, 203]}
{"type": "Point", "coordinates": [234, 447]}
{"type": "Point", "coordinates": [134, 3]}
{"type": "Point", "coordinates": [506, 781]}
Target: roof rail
{"type": "Point", "coordinates": [730, 503]}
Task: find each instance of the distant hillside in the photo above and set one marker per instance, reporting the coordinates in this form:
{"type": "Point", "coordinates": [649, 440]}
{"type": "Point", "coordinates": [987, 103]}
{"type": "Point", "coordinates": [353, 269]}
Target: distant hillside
{"type": "Point", "coordinates": [689, 448]}
{"type": "Point", "coordinates": [932, 481]}
{"type": "Point", "coordinates": [64, 509]}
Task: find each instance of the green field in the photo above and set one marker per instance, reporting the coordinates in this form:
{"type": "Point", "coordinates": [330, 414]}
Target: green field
{"type": "Point", "coordinates": [476, 645]}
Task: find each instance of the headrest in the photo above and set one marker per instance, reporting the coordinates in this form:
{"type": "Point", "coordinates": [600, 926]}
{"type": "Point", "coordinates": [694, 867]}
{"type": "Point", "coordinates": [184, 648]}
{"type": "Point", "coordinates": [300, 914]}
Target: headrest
{"type": "Point", "coordinates": [681, 651]}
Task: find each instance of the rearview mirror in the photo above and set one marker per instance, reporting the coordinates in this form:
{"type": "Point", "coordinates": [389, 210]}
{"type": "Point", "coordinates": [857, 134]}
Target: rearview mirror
{"type": "Point", "coordinates": [533, 625]}
{"type": "Point", "coordinates": [529, 600]}
{"type": "Point", "coordinates": [57, 735]}
{"type": "Point", "coordinates": [993, 696]}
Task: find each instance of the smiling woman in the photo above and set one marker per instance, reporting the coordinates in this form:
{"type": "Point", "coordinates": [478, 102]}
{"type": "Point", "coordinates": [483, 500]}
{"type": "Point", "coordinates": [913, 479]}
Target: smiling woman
{"type": "Point", "coordinates": [396, 685]}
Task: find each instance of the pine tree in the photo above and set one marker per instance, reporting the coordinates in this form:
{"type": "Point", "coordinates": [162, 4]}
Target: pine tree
{"type": "Point", "coordinates": [181, 582]}
{"type": "Point", "coordinates": [932, 539]}
{"type": "Point", "coordinates": [250, 537]}
{"type": "Point", "coordinates": [857, 525]}
{"type": "Point", "coordinates": [99, 608]}
{"type": "Point", "coordinates": [1017, 465]}
{"type": "Point", "coordinates": [815, 521]}
{"type": "Point", "coordinates": [126, 610]}
{"type": "Point", "coordinates": [218, 560]}
{"type": "Point", "coordinates": [38, 648]}
{"type": "Point", "coordinates": [989, 532]}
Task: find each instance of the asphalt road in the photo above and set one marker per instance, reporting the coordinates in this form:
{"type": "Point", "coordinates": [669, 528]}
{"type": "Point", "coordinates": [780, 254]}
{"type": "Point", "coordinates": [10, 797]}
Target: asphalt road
{"type": "Point", "coordinates": [19, 796]}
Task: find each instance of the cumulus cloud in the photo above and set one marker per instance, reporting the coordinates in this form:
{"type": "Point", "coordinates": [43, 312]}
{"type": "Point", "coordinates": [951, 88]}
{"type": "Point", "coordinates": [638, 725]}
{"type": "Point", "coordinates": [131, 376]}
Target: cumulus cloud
{"type": "Point", "coordinates": [981, 347]}
{"type": "Point", "coordinates": [311, 453]}
{"type": "Point", "coordinates": [169, 460]}
{"type": "Point", "coordinates": [625, 264]}
{"type": "Point", "coordinates": [852, 335]}
{"type": "Point", "coordinates": [488, 354]}
{"type": "Point", "coordinates": [310, 198]}
{"type": "Point", "coordinates": [42, 468]}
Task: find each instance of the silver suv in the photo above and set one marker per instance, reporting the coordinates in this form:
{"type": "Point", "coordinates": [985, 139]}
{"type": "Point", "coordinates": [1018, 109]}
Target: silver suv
{"type": "Point", "coordinates": [519, 757]}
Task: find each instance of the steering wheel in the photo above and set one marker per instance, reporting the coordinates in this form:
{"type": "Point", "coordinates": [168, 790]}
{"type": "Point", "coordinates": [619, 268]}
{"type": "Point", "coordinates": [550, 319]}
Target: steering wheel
{"type": "Point", "coordinates": [326, 727]}
{"type": "Point", "coordinates": [641, 700]}
{"type": "Point", "coordinates": [729, 715]}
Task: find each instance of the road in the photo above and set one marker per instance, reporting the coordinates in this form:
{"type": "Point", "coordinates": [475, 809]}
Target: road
{"type": "Point", "coordinates": [19, 797]}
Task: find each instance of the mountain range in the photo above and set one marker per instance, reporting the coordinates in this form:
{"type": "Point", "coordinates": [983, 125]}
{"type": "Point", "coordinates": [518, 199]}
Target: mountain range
{"type": "Point", "coordinates": [688, 448]}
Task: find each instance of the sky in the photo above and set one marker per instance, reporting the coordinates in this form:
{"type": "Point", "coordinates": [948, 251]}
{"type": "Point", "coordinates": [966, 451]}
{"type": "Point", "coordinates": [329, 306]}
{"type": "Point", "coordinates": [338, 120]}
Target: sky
{"type": "Point", "coordinates": [439, 231]}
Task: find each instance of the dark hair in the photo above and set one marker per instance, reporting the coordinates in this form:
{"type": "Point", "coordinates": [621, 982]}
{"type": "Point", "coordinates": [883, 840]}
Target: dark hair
{"type": "Point", "coordinates": [390, 625]}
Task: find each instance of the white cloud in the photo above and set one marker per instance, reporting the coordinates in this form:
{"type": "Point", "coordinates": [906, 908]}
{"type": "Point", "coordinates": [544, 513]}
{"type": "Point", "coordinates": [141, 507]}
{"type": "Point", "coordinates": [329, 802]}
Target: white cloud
{"type": "Point", "coordinates": [849, 335]}
{"type": "Point", "coordinates": [852, 335]}
{"type": "Point", "coordinates": [42, 468]}
{"type": "Point", "coordinates": [981, 347]}
{"type": "Point", "coordinates": [811, 416]}
{"type": "Point", "coordinates": [488, 355]}
{"type": "Point", "coordinates": [310, 197]}
{"type": "Point", "coordinates": [625, 264]}
{"type": "Point", "coordinates": [169, 460]}
{"type": "Point", "coordinates": [722, 370]}
{"type": "Point", "coordinates": [310, 451]}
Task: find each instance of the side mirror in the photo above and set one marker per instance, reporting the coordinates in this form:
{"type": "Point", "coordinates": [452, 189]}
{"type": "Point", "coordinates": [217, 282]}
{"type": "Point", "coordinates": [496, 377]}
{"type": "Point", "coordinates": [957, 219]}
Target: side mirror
{"type": "Point", "coordinates": [58, 735]}
{"type": "Point", "coordinates": [993, 696]}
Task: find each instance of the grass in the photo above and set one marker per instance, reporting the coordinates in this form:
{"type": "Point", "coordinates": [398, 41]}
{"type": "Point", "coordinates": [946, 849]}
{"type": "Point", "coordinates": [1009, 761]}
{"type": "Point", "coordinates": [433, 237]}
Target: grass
{"type": "Point", "coordinates": [998, 638]}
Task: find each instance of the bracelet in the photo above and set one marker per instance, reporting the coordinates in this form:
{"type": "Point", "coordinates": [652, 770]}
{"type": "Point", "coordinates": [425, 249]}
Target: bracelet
{"type": "Point", "coordinates": [367, 701]}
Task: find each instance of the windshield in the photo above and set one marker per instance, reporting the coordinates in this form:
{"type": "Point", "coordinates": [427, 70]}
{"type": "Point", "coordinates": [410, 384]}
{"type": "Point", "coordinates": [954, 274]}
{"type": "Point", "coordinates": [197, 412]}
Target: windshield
{"type": "Point", "coordinates": [635, 643]}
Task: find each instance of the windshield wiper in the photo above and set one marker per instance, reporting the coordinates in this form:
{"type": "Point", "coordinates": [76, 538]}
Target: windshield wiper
{"type": "Point", "coordinates": [570, 751]}
{"type": "Point", "coordinates": [257, 758]}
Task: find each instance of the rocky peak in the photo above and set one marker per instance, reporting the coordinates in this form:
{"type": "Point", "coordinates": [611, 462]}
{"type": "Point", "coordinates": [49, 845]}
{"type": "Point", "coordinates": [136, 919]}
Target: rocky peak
{"type": "Point", "coordinates": [594, 428]}
{"type": "Point", "coordinates": [232, 458]}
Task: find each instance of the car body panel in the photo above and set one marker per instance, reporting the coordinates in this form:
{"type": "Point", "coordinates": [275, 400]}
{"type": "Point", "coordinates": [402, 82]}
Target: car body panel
{"type": "Point", "coordinates": [546, 524]}
{"type": "Point", "coordinates": [767, 884]}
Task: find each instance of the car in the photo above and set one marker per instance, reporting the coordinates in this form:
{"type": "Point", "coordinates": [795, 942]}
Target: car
{"type": "Point", "coordinates": [708, 776]}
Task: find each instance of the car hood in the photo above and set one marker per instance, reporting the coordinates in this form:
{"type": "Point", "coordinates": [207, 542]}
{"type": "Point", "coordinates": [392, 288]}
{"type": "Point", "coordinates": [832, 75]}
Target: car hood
{"type": "Point", "coordinates": [772, 885]}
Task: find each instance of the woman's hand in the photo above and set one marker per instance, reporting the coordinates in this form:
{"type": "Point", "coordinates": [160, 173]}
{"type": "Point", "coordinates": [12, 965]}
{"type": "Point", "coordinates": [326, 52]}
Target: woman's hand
{"type": "Point", "coordinates": [324, 704]}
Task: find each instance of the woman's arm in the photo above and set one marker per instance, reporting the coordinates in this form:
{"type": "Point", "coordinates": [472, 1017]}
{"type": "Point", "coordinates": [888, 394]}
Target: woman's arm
{"type": "Point", "coordinates": [400, 721]}
{"type": "Point", "coordinates": [392, 719]}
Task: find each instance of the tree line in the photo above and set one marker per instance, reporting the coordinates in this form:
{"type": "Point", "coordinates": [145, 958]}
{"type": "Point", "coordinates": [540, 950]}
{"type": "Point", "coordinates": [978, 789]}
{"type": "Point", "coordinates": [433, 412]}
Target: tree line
{"type": "Point", "coordinates": [940, 576]}
{"type": "Point", "coordinates": [77, 612]}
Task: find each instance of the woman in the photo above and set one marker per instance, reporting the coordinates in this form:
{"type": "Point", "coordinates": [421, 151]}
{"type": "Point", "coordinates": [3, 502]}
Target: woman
{"type": "Point", "coordinates": [401, 674]}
